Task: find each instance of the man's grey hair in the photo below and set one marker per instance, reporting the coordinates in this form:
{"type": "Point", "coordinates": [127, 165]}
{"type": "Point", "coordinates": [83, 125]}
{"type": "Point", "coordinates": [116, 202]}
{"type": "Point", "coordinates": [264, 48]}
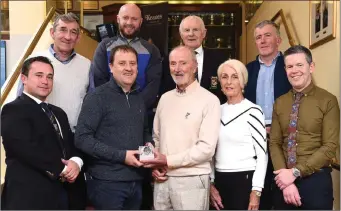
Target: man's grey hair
{"type": "Point", "coordinates": [268, 22]}
{"type": "Point", "coordinates": [201, 22]}
{"type": "Point", "coordinates": [67, 18]}
{"type": "Point", "coordinates": [194, 58]}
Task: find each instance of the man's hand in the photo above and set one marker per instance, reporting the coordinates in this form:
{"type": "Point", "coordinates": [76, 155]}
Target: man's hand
{"type": "Point", "coordinates": [71, 172]}
{"type": "Point", "coordinates": [159, 174]}
{"type": "Point", "coordinates": [292, 196]}
{"type": "Point", "coordinates": [131, 160]}
{"type": "Point", "coordinates": [268, 129]}
{"type": "Point", "coordinates": [160, 160]}
{"type": "Point", "coordinates": [284, 178]}
{"type": "Point", "coordinates": [254, 201]}
{"type": "Point", "coordinates": [215, 198]}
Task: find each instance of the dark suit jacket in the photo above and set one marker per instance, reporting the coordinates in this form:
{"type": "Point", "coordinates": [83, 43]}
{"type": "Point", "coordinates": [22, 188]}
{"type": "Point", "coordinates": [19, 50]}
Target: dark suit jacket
{"type": "Point", "coordinates": [33, 157]}
{"type": "Point", "coordinates": [281, 83]}
{"type": "Point", "coordinates": [209, 80]}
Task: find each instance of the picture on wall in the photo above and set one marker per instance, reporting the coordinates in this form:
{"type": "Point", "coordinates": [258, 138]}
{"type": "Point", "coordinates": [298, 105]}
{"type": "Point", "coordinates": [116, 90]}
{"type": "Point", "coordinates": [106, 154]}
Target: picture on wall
{"type": "Point", "coordinates": [322, 14]}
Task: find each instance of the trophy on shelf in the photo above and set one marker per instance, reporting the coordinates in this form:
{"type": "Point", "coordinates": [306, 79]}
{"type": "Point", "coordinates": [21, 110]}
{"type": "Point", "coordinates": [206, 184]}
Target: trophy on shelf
{"type": "Point", "coordinates": [223, 19]}
{"type": "Point", "coordinates": [219, 41]}
{"type": "Point", "coordinates": [169, 20]}
{"type": "Point", "coordinates": [229, 42]}
{"type": "Point", "coordinates": [212, 19]}
{"type": "Point", "coordinates": [232, 19]}
{"type": "Point", "coordinates": [176, 19]}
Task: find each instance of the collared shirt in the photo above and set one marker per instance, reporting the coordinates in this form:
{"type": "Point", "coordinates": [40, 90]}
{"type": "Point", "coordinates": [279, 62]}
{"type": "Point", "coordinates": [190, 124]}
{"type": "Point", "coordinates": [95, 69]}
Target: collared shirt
{"type": "Point", "coordinates": [265, 88]}
{"type": "Point", "coordinates": [73, 53]}
{"type": "Point", "coordinates": [200, 60]}
{"type": "Point", "coordinates": [318, 130]}
{"type": "Point", "coordinates": [77, 160]}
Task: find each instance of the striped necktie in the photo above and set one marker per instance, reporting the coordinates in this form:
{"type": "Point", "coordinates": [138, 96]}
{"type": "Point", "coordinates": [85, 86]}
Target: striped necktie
{"type": "Point", "coordinates": [53, 121]}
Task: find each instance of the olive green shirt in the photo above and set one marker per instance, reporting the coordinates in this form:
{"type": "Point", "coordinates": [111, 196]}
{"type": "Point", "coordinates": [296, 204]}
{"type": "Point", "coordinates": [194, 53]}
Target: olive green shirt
{"type": "Point", "coordinates": [318, 130]}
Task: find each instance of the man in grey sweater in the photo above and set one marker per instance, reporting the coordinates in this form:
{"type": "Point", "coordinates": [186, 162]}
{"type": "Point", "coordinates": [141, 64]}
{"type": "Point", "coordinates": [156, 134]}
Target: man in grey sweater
{"type": "Point", "coordinates": [111, 126]}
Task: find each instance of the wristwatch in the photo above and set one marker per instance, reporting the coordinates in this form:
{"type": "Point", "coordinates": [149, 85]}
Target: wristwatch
{"type": "Point", "coordinates": [296, 172]}
{"type": "Point", "coordinates": [258, 193]}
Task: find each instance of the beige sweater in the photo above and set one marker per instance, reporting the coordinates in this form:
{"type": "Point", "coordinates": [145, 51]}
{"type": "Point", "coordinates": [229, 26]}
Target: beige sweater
{"type": "Point", "coordinates": [186, 129]}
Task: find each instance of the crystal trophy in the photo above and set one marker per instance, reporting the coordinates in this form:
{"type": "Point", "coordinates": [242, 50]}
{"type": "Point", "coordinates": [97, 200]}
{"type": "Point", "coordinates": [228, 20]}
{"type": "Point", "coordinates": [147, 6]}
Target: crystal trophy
{"type": "Point", "coordinates": [223, 19]}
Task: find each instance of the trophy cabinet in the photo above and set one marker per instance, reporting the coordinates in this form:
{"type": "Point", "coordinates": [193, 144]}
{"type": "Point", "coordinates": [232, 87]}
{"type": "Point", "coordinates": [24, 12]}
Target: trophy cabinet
{"type": "Point", "coordinates": [222, 21]}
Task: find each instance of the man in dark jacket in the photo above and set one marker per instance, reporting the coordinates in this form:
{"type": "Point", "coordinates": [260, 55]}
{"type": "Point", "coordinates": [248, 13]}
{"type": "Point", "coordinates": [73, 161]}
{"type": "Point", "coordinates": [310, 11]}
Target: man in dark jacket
{"type": "Point", "coordinates": [267, 81]}
{"type": "Point", "coordinates": [193, 32]}
{"type": "Point", "coordinates": [111, 126]}
{"type": "Point", "coordinates": [43, 165]}
{"type": "Point", "coordinates": [129, 20]}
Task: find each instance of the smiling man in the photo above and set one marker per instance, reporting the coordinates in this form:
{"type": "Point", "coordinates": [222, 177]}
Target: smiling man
{"type": "Point", "coordinates": [129, 22]}
{"type": "Point", "coordinates": [111, 126]}
{"type": "Point", "coordinates": [193, 32]}
{"type": "Point", "coordinates": [186, 128]}
{"type": "Point", "coordinates": [267, 81]}
{"type": "Point", "coordinates": [43, 167]}
{"type": "Point", "coordinates": [304, 137]}
{"type": "Point", "coordinates": [71, 80]}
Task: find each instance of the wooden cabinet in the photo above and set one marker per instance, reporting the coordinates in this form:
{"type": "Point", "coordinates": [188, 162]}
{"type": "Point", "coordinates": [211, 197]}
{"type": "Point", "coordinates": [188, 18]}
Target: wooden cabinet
{"type": "Point", "coordinates": [222, 21]}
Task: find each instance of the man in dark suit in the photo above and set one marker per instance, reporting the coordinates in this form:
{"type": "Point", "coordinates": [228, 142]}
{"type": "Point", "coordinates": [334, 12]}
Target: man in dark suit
{"type": "Point", "coordinates": [193, 32]}
{"type": "Point", "coordinates": [267, 81]}
{"type": "Point", "coordinates": [42, 164]}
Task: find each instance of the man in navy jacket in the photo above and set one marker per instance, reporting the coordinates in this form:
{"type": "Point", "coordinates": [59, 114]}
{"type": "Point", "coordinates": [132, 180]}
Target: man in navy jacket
{"type": "Point", "coordinates": [267, 81]}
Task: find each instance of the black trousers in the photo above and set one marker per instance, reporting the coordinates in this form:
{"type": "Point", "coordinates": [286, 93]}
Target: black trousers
{"type": "Point", "coordinates": [234, 189]}
{"type": "Point", "coordinates": [316, 192]}
{"type": "Point", "coordinates": [147, 191]}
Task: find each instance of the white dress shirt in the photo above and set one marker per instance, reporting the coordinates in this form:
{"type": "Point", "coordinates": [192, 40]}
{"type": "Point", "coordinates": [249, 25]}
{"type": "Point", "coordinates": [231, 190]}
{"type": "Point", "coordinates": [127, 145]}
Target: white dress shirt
{"type": "Point", "coordinates": [200, 60]}
{"type": "Point", "coordinates": [77, 160]}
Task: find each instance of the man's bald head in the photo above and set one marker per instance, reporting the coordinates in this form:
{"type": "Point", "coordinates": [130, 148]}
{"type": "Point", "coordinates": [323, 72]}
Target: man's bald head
{"type": "Point", "coordinates": [129, 20]}
{"type": "Point", "coordinates": [131, 8]}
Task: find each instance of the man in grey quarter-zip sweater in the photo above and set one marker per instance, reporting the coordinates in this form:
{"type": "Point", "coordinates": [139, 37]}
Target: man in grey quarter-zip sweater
{"type": "Point", "coordinates": [111, 126]}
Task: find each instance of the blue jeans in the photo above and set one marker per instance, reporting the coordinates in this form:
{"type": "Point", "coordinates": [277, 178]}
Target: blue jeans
{"type": "Point", "coordinates": [114, 195]}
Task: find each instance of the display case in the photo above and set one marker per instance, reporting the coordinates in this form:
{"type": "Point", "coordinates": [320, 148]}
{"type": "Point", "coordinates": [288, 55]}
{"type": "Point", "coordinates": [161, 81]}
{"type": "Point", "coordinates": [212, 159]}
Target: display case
{"type": "Point", "coordinates": [221, 31]}
{"type": "Point", "coordinates": [222, 21]}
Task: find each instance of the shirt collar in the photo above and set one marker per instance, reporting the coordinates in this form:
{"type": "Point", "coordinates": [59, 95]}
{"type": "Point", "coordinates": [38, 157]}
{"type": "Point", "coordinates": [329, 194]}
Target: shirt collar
{"type": "Point", "coordinates": [274, 60]}
{"type": "Point", "coordinates": [199, 50]}
{"type": "Point", "coordinates": [53, 52]}
{"type": "Point", "coordinates": [33, 98]}
{"type": "Point", "coordinates": [309, 90]}
{"type": "Point", "coordinates": [189, 89]}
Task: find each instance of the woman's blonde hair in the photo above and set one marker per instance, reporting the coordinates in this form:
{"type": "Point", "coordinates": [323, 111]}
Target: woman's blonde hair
{"type": "Point", "coordinates": [238, 66]}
